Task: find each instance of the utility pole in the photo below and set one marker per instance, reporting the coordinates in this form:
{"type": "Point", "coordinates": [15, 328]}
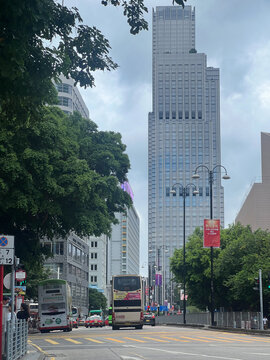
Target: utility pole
{"type": "Point", "coordinates": [261, 299]}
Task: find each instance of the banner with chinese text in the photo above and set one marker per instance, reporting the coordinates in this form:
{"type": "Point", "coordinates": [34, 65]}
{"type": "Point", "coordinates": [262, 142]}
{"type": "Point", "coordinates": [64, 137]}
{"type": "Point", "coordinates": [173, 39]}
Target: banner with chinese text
{"type": "Point", "coordinates": [211, 233]}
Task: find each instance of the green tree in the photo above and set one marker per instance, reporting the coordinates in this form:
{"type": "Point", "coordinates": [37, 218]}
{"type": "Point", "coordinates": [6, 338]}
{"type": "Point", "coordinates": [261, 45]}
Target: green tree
{"type": "Point", "coordinates": [97, 300]}
{"type": "Point", "coordinates": [40, 39]}
{"type": "Point", "coordinates": [236, 264]}
{"type": "Point", "coordinates": [58, 175]}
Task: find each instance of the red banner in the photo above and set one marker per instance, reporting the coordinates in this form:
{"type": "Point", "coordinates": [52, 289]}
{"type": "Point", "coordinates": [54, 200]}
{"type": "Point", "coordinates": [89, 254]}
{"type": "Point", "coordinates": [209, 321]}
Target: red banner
{"type": "Point", "coordinates": [211, 233]}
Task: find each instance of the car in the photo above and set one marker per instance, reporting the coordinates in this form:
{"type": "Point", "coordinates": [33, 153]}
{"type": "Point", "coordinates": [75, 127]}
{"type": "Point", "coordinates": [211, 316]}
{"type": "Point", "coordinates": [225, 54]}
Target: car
{"type": "Point", "coordinates": [93, 321]}
{"type": "Point", "coordinates": [75, 323]}
{"type": "Point", "coordinates": [81, 321]}
{"type": "Point", "coordinates": [149, 319]}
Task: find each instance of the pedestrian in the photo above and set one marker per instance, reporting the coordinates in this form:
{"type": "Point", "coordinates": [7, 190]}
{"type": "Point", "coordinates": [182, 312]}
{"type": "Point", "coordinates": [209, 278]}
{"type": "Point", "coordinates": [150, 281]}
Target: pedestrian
{"type": "Point", "coordinates": [24, 312]}
{"type": "Point", "coordinates": [4, 321]}
{"type": "Point", "coordinates": [265, 323]}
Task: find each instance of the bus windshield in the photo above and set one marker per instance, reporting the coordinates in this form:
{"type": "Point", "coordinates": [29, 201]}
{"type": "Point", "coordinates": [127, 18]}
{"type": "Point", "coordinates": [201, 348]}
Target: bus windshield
{"type": "Point", "coordinates": [127, 283]}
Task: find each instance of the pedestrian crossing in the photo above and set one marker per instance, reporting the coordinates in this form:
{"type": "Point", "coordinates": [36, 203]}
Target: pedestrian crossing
{"type": "Point", "coordinates": [157, 338]}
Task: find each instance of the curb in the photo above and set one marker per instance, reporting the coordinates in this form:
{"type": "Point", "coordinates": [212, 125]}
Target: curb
{"type": "Point", "coordinates": [34, 353]}
{"type": "Point", "coordinates": [219, 328]}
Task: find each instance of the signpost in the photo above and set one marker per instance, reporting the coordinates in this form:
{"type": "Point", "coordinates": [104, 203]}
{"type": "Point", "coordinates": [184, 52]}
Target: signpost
{"type": "Point", "coordinates": [6, 250]}
{"type": "Point", "coordinates": [20, 275]}
{"type": "Point", "coordinates": [6, 258]}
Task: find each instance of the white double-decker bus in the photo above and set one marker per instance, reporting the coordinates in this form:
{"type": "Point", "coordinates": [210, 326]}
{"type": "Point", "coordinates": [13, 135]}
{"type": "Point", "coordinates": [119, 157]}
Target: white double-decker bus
{"type": "Point", "coordinates": [127, 301]}
{"type": "Point", "coordinates": [54, 305]}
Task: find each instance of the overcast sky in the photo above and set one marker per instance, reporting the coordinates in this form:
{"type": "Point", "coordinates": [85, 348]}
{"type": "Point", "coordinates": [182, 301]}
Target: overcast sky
{"type": "Point", "coordinates": [235, 36]}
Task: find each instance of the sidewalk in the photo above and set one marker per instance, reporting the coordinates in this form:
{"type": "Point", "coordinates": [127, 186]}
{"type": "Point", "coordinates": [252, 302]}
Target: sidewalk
{"type": "Point", "coordinates": [33, 353]}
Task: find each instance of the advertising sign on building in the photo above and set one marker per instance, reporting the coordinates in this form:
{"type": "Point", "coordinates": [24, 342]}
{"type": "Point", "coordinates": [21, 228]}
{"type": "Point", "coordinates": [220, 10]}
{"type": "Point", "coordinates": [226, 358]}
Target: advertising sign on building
{"type": "Point", "coordinates": [158, 279]}
{"type": "Point", "coordinates": [211, 233]}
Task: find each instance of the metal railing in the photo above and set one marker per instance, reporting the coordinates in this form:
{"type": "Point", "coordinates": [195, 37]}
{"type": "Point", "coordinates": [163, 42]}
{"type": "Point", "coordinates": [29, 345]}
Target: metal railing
{"type": "Point", "coordinates": [16, 339]}
{"type": "Point", "coordinates": [237, 320]}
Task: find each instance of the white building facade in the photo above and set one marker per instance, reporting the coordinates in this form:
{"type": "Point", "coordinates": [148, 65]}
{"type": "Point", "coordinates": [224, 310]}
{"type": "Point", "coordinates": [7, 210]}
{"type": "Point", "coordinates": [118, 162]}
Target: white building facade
{"type": "Point", "coordinates": [183, 132]}
{"type": "Point", "coordinates": [69, 97]}
{"type": "Point", "coordinates": [117, 254]}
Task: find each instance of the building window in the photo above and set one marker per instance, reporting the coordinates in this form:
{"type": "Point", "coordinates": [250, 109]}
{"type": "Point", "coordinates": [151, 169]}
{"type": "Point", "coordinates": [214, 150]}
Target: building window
{"type": "Point", "coordinates": [66, 88]}
{"type": "Point", "coordinates": [93, 255]}
{"type": "Point", "coordinates": [58, 248]}
{"type": "Point", "coordinates": [207, 191]}
{"type": "Point", "coordinates": [64, 101]}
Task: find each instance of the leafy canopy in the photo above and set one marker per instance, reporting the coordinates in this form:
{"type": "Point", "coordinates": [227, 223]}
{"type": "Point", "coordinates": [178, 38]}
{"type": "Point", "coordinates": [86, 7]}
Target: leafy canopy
{"type": "Point", "coordinates": [236, 265]}
{"type": "Point", "coordinates": [40, 39]}
{"type": "Point", "coordinates": [97, 300]}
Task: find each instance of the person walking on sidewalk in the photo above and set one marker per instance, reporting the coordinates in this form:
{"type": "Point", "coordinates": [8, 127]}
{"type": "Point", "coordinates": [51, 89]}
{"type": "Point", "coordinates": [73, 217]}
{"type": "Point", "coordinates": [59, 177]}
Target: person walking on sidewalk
{"type": "Point", "coordinates": [265, 323]}
{"type": "Point", "coordinates": [24, 312]}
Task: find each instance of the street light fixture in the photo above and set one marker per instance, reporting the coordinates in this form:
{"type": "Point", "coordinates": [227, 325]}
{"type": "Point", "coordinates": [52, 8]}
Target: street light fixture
{"type": "Point", "coordinates": [211, 179]}
{"type": "Point", "coordinates": [185, 193]}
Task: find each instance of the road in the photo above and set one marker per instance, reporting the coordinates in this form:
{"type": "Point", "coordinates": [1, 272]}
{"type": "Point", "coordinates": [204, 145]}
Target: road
{"type": "Point", "coordinates": [151, 343]}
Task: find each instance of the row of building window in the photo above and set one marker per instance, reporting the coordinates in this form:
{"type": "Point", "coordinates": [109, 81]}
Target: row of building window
{"type": "Point", "coordinates": [62, 87]}
{"type": "Point", "coordinates": [74, 270]}
{"type": "Point", "coordinates": [64, 101]}
{"type": "Point", "coordinates": [181, 115]}
{"type": "Point", "coordinates": [78, 254]}
{"type": "Point", "coordinates": [188, 191]}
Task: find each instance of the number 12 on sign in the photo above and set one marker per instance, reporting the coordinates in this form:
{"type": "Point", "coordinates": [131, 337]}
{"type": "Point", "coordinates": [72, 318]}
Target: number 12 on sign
{"type": "Point", "coordinates": [6, 256]}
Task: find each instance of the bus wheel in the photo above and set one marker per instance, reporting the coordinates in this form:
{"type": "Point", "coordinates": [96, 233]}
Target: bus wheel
{"type": "Point", "coordinates": [115, 327]}
{"type": "Point", "coordinates": [139, 327]}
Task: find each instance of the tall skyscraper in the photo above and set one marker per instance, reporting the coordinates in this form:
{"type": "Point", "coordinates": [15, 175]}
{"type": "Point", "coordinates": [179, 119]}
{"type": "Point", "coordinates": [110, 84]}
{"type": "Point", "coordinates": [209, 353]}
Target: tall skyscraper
{"type": "Point", "coordinates": [184, 132]}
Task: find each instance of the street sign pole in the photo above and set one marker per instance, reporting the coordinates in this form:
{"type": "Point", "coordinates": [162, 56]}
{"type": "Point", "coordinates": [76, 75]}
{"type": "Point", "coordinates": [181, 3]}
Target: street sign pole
{"type": "Point", "coordinates": [1, 307]}
{"type": "Point", "coordinates": [6, 258]}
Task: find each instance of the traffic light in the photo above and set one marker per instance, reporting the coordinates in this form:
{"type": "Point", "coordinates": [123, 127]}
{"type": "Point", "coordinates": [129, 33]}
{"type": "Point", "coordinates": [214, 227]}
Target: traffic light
{"type": "Point", "coordinates": [23, 283]}
{"type": "Point", "coordinates": [268, 282]}
{"type": "Point", "coordinates": [256, 284]}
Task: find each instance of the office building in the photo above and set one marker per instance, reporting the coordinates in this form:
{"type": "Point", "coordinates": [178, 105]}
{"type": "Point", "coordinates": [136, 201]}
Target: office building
{"type": "Point", "coordinates": [183, 132]}
{"type": "Point", "coordinates": [116, 254]}
{"type": "Point", "coordinates": [255, 210]}
{"type": "Point", "coordinates": [69, 97]}
{"type": "Point", "coordinates": [70, 262]}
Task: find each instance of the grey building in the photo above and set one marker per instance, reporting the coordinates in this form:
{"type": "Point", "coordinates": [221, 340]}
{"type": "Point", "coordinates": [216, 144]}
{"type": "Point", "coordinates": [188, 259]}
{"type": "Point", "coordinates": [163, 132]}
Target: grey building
{"type": "Point", "coordinates": [70, 262]}
{"type": "Point", "coordinates": [255, 210]}
{"type": "Point", "coordinates": [183, 132]}
{"type": "Point", "coordinates": [97, 262]}
{"type": "Point", "coordinates": [116, 254]}
{"type": "Point", "coordinates": [124, 245]}
{"type": "Point", "coordinates": [69, 97]}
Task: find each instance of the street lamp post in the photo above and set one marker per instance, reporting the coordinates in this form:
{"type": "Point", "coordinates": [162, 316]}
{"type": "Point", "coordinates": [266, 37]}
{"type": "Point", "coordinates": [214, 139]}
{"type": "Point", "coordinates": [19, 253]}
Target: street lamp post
{"type": "Point", "coordinates": [160, 267]}
{"type": "Point", "coordinates": [185, 193]}
{"type": "Point", "coordinates": [211, 179]}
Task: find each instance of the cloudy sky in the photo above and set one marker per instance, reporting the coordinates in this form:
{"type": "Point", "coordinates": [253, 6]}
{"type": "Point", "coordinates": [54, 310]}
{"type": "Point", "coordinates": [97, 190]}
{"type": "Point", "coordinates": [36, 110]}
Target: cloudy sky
{"type": "Point", "coordinates": [235, 36]}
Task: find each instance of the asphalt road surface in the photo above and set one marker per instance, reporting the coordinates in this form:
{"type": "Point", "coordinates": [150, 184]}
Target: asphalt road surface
{"type": "Point", "coordinates": [151, 343]}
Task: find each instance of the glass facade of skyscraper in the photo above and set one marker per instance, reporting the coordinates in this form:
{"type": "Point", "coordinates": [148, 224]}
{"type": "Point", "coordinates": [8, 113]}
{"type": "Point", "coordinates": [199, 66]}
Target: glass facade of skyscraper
{"type": "Point", "coordinates": [184, 132]}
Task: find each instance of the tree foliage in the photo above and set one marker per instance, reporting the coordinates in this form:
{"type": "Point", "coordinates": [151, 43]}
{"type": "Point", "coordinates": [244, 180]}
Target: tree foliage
{"type": "Point", "coordinates": [97, 300]}
{"type": "Point", "coordinates": [236, 265]}
{"type": "Point", "coordinates": [59, 174]}
{"type": "Point", "coordinates": [40, 39]}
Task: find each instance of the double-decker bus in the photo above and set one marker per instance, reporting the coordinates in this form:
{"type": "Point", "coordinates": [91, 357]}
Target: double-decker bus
{"type": "Point", "coordinates": [54, 305]}
{"type": "Point", "coordinates": [127, 301]}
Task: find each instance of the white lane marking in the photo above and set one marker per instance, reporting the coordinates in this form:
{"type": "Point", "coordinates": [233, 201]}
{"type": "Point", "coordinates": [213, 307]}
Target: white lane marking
{"type": "Point", "coordinates": [259, 354]}
{"type": "Point", "coordinates": [192, 354]}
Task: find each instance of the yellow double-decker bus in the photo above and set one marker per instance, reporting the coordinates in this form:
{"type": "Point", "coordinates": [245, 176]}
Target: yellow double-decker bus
{"type": "Point", "coordinates": [127, 301]}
